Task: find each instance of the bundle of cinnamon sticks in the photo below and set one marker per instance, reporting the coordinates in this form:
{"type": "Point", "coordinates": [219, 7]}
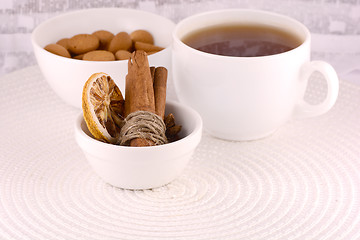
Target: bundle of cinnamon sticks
{"type": "Point", "coordinates": [145, 90]}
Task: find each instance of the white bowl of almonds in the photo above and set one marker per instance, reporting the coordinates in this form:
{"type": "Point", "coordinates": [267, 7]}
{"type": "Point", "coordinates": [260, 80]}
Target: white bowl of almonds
{"type": "Point", "coordinates": [70, 47]}
{"type": "Point", "coordinates": [141, 141]}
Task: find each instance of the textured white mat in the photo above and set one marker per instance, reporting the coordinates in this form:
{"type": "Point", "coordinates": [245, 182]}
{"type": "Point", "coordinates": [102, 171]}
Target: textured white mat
{"type": "Point", "coordinates": [303, 182]}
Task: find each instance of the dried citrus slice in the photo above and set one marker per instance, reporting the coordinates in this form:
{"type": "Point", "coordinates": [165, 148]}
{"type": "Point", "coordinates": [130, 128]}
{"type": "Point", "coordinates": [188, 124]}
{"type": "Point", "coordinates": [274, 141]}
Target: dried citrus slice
{"type": "Point", "coordinates": [103, 107]}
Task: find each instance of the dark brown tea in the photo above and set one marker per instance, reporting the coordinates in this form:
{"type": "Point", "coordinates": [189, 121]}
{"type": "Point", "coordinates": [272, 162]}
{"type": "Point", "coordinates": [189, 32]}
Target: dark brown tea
{"type": "Point", "coordinates": [242, 40]}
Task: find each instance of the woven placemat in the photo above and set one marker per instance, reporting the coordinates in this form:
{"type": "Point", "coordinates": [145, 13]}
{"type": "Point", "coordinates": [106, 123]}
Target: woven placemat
{"type": "Point", "coordinates": [302, 182]}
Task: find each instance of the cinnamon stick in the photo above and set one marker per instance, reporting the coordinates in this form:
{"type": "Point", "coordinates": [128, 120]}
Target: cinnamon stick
{"type": "Point", "coordinates": [160, 79]}
{"type": "Point", "coordinates": [139, 90]}
{"type": "Point", "coordinates": [152, 72]}
{"type": "Point", "coordinates": [127, 95]}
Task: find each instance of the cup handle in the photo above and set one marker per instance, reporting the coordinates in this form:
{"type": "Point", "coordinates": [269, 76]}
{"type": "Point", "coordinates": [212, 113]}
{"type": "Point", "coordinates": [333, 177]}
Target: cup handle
{"type": "Point", "coordinates": [306, 110]}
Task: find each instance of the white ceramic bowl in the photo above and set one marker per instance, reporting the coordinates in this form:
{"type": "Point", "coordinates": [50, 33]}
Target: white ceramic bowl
{"type": "Point", "coordinates": [67, 76]}
{"type": "Point", "coordinates": [143, 167]}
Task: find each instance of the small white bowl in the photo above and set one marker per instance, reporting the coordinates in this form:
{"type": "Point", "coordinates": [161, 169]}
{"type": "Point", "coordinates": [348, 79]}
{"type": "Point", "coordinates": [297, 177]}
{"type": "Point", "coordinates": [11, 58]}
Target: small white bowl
{"type": "Point", "coordinates": [143, 167]}
{"type": "Point", "coordinates": [67, 76]}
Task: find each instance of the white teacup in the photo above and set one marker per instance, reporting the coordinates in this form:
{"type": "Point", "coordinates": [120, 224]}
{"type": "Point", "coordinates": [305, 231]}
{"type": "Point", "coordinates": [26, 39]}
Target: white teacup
{"type": "Point", "coordinates": [247, 98]}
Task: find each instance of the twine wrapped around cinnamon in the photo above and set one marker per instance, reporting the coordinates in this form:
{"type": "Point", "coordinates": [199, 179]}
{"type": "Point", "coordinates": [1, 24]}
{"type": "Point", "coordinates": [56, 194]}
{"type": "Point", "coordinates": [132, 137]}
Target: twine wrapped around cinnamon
{"type": "Point", "coordinates": [143, 125]}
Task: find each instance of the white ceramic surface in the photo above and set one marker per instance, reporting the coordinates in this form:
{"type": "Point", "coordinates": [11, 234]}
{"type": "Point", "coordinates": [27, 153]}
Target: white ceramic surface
{"type": "Point", "coordinates": [67, 76]}
{"type": "Point", "coordinates": [143, 167]}
{"type": "Point", "coordinates": [246, 98]}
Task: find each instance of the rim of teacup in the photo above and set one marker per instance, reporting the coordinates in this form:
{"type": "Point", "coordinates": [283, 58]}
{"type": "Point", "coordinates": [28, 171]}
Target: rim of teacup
{"type": "Point", "coordinates": [305, 39]}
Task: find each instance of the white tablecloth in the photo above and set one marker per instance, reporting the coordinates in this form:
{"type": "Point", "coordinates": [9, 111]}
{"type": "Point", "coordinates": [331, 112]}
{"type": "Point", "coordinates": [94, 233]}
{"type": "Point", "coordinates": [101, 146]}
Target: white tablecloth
{"type": "Point", "coordinates": [302, 182]}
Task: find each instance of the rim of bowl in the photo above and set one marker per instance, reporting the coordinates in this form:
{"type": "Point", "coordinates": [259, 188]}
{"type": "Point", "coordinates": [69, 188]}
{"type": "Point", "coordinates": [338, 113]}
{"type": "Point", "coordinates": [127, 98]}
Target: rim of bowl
{"type": "Point", "coordinates": [62, 15]}
{"type": "Point", "coordinates": [197, 130]}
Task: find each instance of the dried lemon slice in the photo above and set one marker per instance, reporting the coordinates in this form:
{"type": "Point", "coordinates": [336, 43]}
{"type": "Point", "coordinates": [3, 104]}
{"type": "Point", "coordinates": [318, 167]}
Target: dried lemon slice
{"type": "Point", "coordinates": [103, 107]}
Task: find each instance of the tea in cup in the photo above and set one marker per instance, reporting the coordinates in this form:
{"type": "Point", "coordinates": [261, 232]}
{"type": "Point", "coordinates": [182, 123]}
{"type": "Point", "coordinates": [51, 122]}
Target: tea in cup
{"type": "Point", "coordinates": [246, 71]}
